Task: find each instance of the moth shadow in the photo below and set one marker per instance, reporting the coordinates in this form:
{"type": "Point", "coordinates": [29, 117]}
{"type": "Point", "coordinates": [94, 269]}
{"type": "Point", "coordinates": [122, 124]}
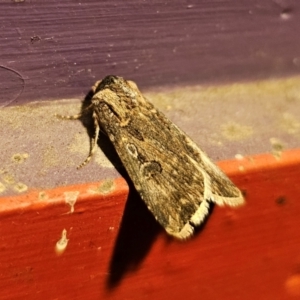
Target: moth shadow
{"type": "Point", "coordinates": [138, 228]}
{"type": "Point", "coordinates": [137, 233]}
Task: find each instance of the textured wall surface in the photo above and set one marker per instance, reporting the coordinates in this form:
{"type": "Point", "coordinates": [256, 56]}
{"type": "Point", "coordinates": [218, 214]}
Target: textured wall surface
{"type": "Point", "coordinates": [57, 49]}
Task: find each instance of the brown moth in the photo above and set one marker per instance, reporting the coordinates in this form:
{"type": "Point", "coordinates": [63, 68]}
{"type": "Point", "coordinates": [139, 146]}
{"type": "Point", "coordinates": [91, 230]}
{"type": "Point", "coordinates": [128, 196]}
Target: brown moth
{"type": "Point", "coordinates": [173, 176]}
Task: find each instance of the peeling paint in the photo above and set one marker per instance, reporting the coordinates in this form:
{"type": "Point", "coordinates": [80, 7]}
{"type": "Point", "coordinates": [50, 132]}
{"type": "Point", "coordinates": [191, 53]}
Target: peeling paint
{"type": "Point", "coordinates": [8, 178]}
{"type": "Point", "coordinates": [105, 187]}
{"type": "Point", "coordinates": [19, 157]}
{"type": "Point", "coordinates": [277, 147]}
{"type": "Point", "coordinates": [239, 156]}
{"type": "Point", "coordinates": [235, 132]}
{"type": "Point", "coordinates": [43, 196]}
{"type": "Point", "coordinates": [20, 187]}
{"type": "Point", "coordinates": [62, 243]}
{"type": "Point", "coordinates": [70, 199]}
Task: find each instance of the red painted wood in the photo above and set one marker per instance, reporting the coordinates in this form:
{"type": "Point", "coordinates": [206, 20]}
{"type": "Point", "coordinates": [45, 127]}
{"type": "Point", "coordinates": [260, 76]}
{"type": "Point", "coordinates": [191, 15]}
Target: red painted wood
{"type": "Point", "coordinates": [250, 252]}
{"type": "Point", "coordinates": [31, 225]}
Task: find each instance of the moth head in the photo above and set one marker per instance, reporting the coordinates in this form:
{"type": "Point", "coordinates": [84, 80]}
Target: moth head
{"type": "Point", "coordinates": [120, 95]}
{"type": "Point", "coordinates": [108, 82]}
{"type": "Point", "coordinates": [107, 89]}
{"type": "Point", "coordinates": [117, 84]}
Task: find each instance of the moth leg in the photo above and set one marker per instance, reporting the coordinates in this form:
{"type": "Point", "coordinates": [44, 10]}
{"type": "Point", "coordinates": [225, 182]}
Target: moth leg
{"type": "Point", "coordinates": [78, 116]}
{"type": "Point", "coordinates": [93, 142]}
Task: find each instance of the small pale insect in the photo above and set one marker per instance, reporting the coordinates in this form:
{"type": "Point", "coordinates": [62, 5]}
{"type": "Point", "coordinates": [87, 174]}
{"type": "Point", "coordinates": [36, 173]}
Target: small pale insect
{"type": "Point", "coordinates": [173, 176]}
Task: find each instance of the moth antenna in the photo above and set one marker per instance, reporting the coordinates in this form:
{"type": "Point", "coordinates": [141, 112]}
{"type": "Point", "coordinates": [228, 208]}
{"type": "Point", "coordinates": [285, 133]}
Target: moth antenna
{"type": "Point", "coordinates": [73, 117]}
{"type": "Point", "coordinates": [77, 116]}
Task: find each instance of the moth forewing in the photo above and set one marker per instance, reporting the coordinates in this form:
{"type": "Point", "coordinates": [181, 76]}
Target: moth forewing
{"type": "Point", "coordinates": [174, 177]}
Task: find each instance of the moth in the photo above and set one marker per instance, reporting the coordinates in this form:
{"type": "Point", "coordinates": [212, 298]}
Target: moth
{"type": "Point", "coordinates": [173, 176]}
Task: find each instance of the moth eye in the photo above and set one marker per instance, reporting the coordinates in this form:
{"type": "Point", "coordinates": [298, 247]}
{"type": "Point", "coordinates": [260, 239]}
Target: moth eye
{"type": "Point", "coordinates": [112, 78]}
{"type": "Point", "coordinates": [108, 80]}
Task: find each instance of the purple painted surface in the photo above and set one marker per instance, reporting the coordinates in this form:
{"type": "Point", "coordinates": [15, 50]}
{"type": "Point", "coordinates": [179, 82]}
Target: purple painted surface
{"type": "Point", "coordinates": [60, 48]}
